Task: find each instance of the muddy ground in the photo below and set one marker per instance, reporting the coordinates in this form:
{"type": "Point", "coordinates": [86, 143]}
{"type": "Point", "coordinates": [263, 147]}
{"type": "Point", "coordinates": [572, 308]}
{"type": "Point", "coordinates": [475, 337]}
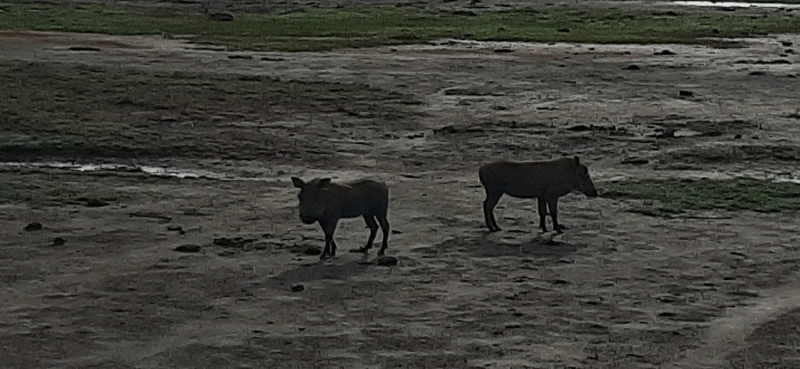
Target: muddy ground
{"type": "Point", "coordinates": [713, 289]}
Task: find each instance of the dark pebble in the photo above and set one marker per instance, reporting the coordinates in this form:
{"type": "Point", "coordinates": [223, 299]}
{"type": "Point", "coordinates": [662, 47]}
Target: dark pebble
{"type": "Point", "coordinates": [34, 226]}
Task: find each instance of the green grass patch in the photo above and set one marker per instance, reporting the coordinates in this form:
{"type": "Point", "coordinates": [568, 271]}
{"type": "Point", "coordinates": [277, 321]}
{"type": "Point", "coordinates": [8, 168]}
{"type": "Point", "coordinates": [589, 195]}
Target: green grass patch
{"type": "Point", "coordinates": [674, 196]}
{"type": "Point", "coordinates": [721, 153]}
{"type": "Point", "coordinates": [52, 109]}
{"type": "Point", "coordinates": [36, 190]}
{"type": "Point", "coordinates": [316, 29]}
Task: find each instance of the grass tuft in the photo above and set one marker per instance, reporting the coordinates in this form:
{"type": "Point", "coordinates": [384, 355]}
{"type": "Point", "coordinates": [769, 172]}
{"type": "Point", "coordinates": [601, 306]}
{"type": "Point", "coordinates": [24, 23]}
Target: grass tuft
{"type": "Point", "coordinates": [706, 194]}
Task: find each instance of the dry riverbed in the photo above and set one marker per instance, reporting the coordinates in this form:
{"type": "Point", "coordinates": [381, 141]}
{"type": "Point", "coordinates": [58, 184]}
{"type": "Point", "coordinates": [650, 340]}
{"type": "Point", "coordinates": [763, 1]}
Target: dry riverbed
{"type": "Point", "coordinates": [101, 284]}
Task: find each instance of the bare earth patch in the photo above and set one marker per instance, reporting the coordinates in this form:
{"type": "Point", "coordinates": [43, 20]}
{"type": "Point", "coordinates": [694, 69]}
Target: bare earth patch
{"type": "Point", "coordinates": [618, 289]}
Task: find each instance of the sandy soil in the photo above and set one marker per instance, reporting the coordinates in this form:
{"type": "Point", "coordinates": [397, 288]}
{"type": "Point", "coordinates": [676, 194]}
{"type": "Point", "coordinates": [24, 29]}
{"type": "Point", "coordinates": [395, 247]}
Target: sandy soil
{"type": "Point", "coordinates": [705, 290]}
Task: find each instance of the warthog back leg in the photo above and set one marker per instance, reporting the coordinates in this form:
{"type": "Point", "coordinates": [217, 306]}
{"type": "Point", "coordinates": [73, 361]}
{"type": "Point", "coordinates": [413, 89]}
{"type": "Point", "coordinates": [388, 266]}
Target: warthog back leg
{"type": "Point", "coordinates": [553, 205]}
{"type": "Point", "coordinates": [492, 198]}
{"type": "Point", "coordinates": [385, 229]}
{"type": "Point", "coordinates": [542, 213]}
{"type": "Point", "coordinates": [330, 245]}
{"type": "Point", "coordinates": [373, 232]}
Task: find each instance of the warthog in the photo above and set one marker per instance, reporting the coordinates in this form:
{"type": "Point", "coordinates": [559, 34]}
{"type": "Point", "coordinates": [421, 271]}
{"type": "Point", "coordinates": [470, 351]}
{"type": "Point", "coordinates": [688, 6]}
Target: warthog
{"type": "Point", "coordinates": [544, 180]}
{"type": "Point", "coordinates": [326, 202]}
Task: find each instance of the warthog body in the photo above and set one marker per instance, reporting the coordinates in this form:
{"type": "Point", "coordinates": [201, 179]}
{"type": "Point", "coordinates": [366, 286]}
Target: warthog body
{"type": "Point", "coordinates": [544, 180]}
{"type": "Point", "coordinates": [326, 202]}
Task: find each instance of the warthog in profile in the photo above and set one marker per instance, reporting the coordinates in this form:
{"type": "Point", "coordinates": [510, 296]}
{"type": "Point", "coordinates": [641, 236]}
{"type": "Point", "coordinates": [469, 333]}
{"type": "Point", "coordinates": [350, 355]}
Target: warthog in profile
{"type": "Point", "coordinates": [326, 202]}
{"type": "Point", "coordinates": [544, 180]}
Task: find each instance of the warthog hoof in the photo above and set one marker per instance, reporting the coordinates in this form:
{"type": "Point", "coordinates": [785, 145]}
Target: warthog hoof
{"type": "Point", "coordinates": [381, 252]}
{"type": "Point", "coordinates": [325, 256]}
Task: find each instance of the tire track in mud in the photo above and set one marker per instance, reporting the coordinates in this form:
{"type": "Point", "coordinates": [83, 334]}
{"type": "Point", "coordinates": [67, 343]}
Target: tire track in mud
{"type": "Point", "coordinates": [727, 335]}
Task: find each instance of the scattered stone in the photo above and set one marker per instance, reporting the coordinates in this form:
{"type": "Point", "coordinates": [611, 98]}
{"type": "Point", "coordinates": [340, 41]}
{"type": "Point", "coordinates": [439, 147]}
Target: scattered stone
{"type": "Point", "coordinates": [236, 242]}
{"type": "Point", "coordinates": [758, 73]}
{"type": "Point", "coordinates": [298, 288]}
{"type": "Point", "coordinates": [240, 56]}
{"type": "Point", "coordinates": [58, 241]}
{"type": "Point", "coordinates": [561, 281]}
{"type": "Point", "coordinates": [33, 226]}
{"type": "Point", "coordinates": [504, 51]}
{"type": "Point", "coordinates": [666, 133]}
{"type": "Point", "coordinates": [83, 48]}
{"type": "Point", "coordinates": [150, 214]}
{"type": "Point", "coordinates": [175, 228]}
{"type": "Point", "coordinates": [564, 30]}
{"type": "Point", "coordinates": [579, 128]}
{"type": "Point", "coordinates": [267, 58]}
{"type": "Point", "coordinates": [188, 248]}
{"type": "Point", "coordinates": [664, 52]}
{"type": "Point", "coordinates": [221, 17]}
{"type": "Point", "coordinates": [95, 203]}
{"type": "Point", "coordinates": [635, 161]}
{"type": "Point", "coordinates": [396, 231]}
{"type": "Point", "coordinates": [685, 93]}
{"type": "Point", "coordinates": [738, 136]}
{"type": "Point", "coordinates": [312, 250]}
{"type": "Point", "coordinates": [786, 43]}
{"type": "Point", "coordinates": [632, 67]}
{"type": "Point", "coordinates": [387, 261]}
{"type": "Point", "coordinates": [513, 325]}
{"type": "Point", "coordinates": [715, 31]}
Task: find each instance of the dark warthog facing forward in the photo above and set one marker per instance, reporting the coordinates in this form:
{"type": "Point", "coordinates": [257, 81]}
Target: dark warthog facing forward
{"type": "Point", "coordinates": [326, 202]}
{"type": "Point", "coordinates": [544, 180]}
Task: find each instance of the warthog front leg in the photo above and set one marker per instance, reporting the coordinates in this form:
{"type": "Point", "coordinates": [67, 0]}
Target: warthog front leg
{"type": "Point", "coordinates": [488, 210]}
{"type": "Point", "coordinates": [542, 213]}
{"type": "Point", "coordinates": [330, 245]}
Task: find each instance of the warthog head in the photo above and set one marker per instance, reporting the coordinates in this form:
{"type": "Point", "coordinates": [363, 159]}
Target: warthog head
{"type": "Point", "coordinates": [313, 198]}
{"type": "Point", "coordinates": [583, 181]}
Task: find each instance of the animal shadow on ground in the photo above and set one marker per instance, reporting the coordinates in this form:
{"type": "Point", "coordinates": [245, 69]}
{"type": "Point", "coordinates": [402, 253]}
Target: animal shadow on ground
{"type": "Point", "coordinates": [485, 248]}
{"type": "Point", "coordinates": [317, 271]}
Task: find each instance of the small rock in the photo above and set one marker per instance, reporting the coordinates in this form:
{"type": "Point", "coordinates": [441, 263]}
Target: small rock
{"type": "Point", "coordinates": [175, 228]}
{"type": "Point", "coordinates": [312, 250]}
{"type": "Point", "coordinates": [188, 248]}
{"type": "Point", "coordinates": [503, 51]}
{"type": "Point", "coordinates": [632, 67]}
{"type": "Point", "coordinates": [298, 288]}
{"type": "Point", "coordinates": [685, 93]}
{"type": "Point", "coordinates": [395, 231]}
{"type": "Point", "coordinates": [664, 52]}
{"type": "Point", "coordinates": [786, 43]}
{"type": "Point", "coordinates": [95, 203]}
{"type": "Point", "coordinates": [564, 30]}
{"type": "Point", "coordinates": [387, 261]}
{"type": "Point", "coordinates": [33, 226]}
{"type": "Point", "coordinates": [635, 161]}
{"type": "Point", "coordinates": [58, 241]}
{"type": "Point", "coordinates": [561, 281]}
{"type": "Point", "coordinates": [738, 136]}
{"type": "Point", "coordinates": [715, 31]}
{"type": "Point", "coordinates": [236, 242]}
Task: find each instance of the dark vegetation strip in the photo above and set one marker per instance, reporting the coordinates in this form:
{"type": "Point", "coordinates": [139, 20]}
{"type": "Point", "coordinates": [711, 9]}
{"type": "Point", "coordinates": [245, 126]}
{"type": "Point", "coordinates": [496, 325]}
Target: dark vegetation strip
{"type": "Point", "coordinates": [326, 29]}
{"type": "Point", "coordinates": [674, 196]}
{"type": "Point", "coordinates": [67, 110]}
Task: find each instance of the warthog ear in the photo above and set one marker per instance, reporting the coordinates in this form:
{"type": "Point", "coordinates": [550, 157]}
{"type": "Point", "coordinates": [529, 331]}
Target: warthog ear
{"type": "Point", "coordinates": [324, 182]}
{"type": "Point", "coordinates": [577, 161]}
{"type": "Point", "coordinates": [298, 182]}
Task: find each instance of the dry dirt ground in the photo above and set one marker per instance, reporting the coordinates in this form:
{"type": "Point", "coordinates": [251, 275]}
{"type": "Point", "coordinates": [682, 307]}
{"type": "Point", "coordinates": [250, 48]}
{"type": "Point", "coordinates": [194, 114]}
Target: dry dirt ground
{"type": "Point", "coordinates": [617, 290]}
